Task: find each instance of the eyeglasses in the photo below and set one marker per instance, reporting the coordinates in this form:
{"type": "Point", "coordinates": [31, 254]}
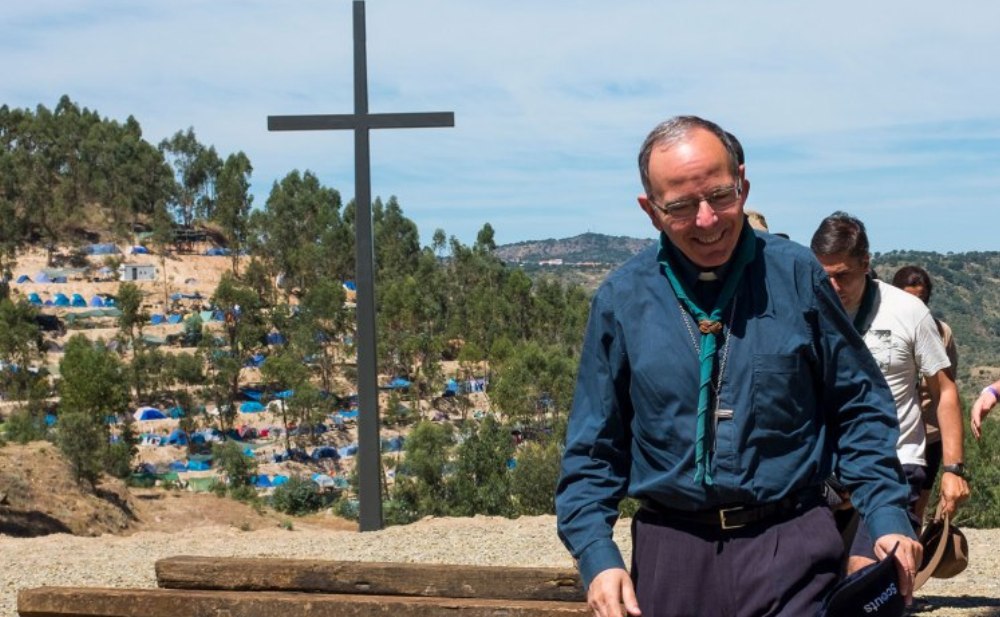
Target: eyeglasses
{"type": "Point", "coordinates": [719, 199]}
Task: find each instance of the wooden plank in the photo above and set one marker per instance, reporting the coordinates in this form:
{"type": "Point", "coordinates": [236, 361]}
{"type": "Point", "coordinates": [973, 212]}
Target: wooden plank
{"type": "Point", "coordinates": [407, 579]}
{"type": "Point", "coordinates": [96, 602]}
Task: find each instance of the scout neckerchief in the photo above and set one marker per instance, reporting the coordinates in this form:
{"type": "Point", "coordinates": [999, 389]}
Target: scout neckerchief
{"type": "Point", "coordinates": [710, 325]}
{"type": "Point", "coordinates": [863, 318]}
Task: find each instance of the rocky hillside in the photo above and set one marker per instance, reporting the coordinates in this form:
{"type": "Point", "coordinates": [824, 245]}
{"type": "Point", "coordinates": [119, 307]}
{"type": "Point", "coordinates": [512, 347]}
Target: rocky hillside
{"type": "Point", "coordinates": [588, 248]}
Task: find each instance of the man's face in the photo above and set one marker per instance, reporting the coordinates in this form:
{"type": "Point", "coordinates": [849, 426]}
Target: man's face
{"type": "Point", "coordinates": [847, 274]}
{"type": "Point", "coordinates": [696, 167]}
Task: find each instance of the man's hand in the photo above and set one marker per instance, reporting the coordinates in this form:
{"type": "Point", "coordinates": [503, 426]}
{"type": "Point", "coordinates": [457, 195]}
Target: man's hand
{"type": "Point", "coordinates": [954, 490]}
{"type": "Point", "coordinates": [609, 590]}
{"type": "Point", "coordinates": [908, 558]}
{"type": "Point", "coordinates": [980, 409]}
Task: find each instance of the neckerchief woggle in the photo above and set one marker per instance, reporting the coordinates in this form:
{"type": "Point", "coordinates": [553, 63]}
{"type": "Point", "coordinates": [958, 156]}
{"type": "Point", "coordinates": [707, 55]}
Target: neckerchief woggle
{"type": "Point", "coordinates": [710, 325]}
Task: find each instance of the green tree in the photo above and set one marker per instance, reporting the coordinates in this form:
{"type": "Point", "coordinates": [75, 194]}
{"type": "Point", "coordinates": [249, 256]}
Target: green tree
{"type": "Point", "coordinates": [237, 468]}
{"type": "Point", "coordinates": [534, 478]}
{"type": "Point", "coordinates": [421, 487]}
{"type": "Point", "coordinates": [196, 168]}
{"type": "Point", "coordinates": [245, 328]}
{"type": "Point", "coordinates": [482, 480]}
{"type": "Point", "coordinates": [92, 388]}
{"type": "Point", "coordinates": [20, 346]}
{"type": "Point", "coordinates": [233, 202]}
{"type": "Point", "coordinates": [129, 301]}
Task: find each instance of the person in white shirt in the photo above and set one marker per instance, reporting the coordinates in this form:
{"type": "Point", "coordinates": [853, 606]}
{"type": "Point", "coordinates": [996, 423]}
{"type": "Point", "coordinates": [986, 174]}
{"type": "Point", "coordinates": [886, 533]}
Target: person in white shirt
{"type": "Point", "coordinates": [902, 336]}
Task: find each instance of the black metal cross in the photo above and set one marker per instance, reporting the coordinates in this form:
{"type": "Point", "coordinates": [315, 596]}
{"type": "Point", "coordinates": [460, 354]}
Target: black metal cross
{"type": "Point", "coordinates": [361, 122]}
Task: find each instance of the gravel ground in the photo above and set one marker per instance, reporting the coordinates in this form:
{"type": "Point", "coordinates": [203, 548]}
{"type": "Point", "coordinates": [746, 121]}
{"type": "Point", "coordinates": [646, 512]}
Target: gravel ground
{"type": "Point", "coordinates": [116, 561]}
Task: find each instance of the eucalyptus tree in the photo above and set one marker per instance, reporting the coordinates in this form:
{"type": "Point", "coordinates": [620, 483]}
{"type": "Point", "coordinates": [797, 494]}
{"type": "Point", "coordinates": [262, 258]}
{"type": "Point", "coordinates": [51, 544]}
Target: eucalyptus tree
{"type": "Point", "coordinates": [301, 230]}
{"type": "Point", "coordinates": [533, 383]}
{"type": "Point", "coordinates": [245, 329]}
{"type": "Point", "coordinates": [93, 387]}
{"type": "Point", "coordinates": [13, 228]}
{"type": "Point", "coordinates": [233, 203]}
{"type": "Point", "coordinates": [20, 347]}
{"type": "Point", "coordinates": [196, 168]}
{"type": "Point", "coordinates": [128, 175]}
{"type": "Point", "coordinates": [129, 301]}
{"type": "Point", "coordinates": [322, 321]}
{"type": "Point", "coordinates": [397, 240]}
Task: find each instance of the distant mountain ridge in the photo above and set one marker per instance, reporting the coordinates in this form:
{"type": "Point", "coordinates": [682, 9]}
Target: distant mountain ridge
{"type": "Point", "coordinates": [587, 248]}
{"type": "Point", "coordinates": [966, 287]}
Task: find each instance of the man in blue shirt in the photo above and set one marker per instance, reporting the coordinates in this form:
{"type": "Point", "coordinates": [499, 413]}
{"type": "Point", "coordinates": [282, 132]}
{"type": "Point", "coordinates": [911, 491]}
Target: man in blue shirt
{"type": "Point", "coordinates": [719, 375]}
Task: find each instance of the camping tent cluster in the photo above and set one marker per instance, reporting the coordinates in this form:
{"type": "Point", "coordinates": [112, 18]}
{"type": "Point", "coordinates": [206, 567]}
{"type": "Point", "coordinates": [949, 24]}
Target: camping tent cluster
{"type": "Point", "coordinates": [74, 300]}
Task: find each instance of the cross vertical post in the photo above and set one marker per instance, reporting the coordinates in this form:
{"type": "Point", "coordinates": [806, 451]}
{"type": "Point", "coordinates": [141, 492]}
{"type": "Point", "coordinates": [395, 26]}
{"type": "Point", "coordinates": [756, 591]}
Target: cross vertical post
{"type": "Point", "coordinates": [361, 122]}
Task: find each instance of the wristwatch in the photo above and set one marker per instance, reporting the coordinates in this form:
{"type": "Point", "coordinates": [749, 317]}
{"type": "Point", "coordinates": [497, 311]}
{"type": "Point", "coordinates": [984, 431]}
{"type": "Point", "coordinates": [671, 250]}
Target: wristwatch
{"type": "Point", "coordinates": [958, 469]}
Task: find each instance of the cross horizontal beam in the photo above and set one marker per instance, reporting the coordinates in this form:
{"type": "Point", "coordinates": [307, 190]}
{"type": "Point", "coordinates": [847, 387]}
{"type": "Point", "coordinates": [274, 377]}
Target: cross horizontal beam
{"type": "Point", "coordinates": [326, 122]}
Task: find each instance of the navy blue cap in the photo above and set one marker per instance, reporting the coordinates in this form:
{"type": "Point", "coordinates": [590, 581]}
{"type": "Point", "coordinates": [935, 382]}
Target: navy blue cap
{"type": "Point", "coordinates": [872, 591]}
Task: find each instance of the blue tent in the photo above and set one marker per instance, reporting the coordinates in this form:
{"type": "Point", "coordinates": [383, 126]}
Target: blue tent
{"type": "Point", "coordinates": [61, 300]}
{"type": "Point", "coordinates": [451, 388]}
{"type": "Point", "coordinates": [34, 298]}
{"type": "Point", "coordinates": [155, 319]}
{"type": "Point", "coordinates": [140, 250]}
{"type": "Point", "coordinates": [256, 360]}
{"type": "Point", "coordinates": [78, 301]}
{"type": "Point", "coordinates": [262, 481]}
{"type": "Point", "coordinates": [217, 252]}
{"type": "Point", "coordinates": [251, 407]}
{"type": "Point", "coordinates": [199, 465]}
{"type": "Point", "coordinates": [398, 383]}
{"type": "Point", "coordinates": [96, 301]}
{"type": "Point", "coordinates": [24, 278]}
{"type": "Point", "coordinates": [178, 466]}
{"type": "Point", "coordinates": [275, 338]}
{"type": "Point", "coordinates": [176, 412]}
{"type": "Point", "coordinates": [349, 285]}
{"type": "Point", "coordinates": [394, 444]}
{"type": "Point", "coordinates": [149, 413]}
{"type": "Point", "coordinates": [177, 438]}
{"type": "Point", "coordinates": [348, 450]}
{"type": "Point", "coordinates": [279, 480]}
{"type": "Point", "coordinates": [41, 277]}
{"type": "Point", "coordinates": [324, 452]}
{"type": "Point", "coordinates": [251, 393]}
{"type": "Point", "coordinates": [323, 481]}
{"type": "Point", "coordinates": [59, 279]}
{"type": "Point", "coordinates": [100, 249]}
{"type": "Point", "coordinates": [174, 318]}
{"type": "Point", "coordinates": [50, 419]}
{"type": "Point", "coordinates": [284, 394]}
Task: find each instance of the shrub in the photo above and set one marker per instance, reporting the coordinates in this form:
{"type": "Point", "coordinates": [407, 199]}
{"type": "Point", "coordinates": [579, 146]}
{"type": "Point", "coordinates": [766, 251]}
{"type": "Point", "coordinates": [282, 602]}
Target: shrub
{"type": "Point", "coordinates": [23, 426]}
{"type": "Point", "coordinates": [298, 496]}
{"type": "Point", "coordinates": [533, 480]}
{"type": "Point", "coordinates": [237, 468]}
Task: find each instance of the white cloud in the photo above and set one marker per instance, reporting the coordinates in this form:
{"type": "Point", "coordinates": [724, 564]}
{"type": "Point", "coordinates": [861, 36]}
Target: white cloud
{"type": "Point", "coordinates": [552, 99]}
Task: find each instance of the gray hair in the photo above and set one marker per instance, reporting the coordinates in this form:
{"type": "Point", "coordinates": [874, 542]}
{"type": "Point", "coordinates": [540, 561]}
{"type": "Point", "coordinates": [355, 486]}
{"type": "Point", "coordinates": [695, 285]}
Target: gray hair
{"type": "Point", "coordinates": [673, 131]}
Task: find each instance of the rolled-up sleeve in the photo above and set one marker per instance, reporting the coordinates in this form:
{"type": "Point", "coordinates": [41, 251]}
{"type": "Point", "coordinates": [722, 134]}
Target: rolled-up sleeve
{"type": "Point", "coordinates": [596, 459]}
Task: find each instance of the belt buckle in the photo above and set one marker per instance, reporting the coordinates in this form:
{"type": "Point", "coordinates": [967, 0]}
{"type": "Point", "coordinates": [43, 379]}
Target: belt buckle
{"type": "Point", "coordinates": [722, 518]}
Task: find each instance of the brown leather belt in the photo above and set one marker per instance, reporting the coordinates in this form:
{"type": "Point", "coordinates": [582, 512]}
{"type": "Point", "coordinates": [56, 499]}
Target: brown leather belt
{"type": "Point", "coordinates": [740, 515]}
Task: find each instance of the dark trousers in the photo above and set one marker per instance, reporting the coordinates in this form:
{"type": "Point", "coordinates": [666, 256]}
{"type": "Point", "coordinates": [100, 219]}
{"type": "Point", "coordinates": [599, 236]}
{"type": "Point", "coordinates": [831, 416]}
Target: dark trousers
{"type": "Point", "coordinates": [768, 570]}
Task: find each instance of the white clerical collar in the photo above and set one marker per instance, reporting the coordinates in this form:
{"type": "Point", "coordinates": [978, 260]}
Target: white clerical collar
{"type": "Point", "coordinates": [707, 276]}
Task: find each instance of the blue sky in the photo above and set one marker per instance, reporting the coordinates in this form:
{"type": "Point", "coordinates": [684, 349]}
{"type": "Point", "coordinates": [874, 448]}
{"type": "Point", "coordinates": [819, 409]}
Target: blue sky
{"type": "Point", "coordinates": [887, 109]}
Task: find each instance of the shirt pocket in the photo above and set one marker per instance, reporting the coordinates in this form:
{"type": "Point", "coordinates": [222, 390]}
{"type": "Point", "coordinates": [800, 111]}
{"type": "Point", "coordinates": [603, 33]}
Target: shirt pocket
{"type": "Point", "coordinates": [779, 387]}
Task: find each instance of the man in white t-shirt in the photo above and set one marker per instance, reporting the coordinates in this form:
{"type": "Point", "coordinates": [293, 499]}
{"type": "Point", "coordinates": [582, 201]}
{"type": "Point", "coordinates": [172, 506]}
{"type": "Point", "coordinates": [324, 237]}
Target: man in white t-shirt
{"type": "Point", "coordinates": [902, 336]}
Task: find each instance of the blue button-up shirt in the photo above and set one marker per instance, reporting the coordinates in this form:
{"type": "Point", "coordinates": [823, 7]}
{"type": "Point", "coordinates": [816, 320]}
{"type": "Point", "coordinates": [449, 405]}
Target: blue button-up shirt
{"type": "Point", "coordinates": [801, 384]}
